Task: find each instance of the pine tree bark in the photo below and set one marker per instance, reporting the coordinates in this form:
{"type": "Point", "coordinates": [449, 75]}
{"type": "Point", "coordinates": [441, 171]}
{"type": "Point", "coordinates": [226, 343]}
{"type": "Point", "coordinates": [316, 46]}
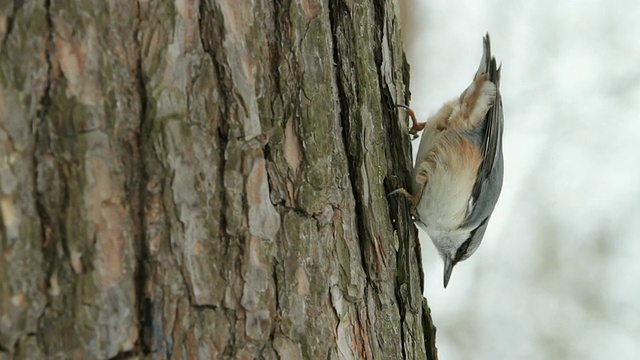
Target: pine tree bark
{"type": "Point", "coordinates": [206, 179]}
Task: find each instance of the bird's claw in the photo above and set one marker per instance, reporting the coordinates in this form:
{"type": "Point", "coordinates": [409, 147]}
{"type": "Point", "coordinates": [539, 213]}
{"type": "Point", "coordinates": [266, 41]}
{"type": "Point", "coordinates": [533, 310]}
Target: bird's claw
{"type": "Point", "coordinates": [417, 126]}
{"type": "Point", "coordinates": [409, 196]}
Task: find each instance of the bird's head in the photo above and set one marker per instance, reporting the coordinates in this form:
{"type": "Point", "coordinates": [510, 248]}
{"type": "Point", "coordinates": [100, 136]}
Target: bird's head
{"type": "Point", "coordinates": [457, 245]}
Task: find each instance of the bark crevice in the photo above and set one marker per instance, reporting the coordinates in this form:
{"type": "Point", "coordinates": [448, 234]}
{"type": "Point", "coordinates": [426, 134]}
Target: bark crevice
{"type": "Point", "coordinates": [206, 23]}
{"type": "Point", "coordinates": [140, 179]}
{"type": "Point", "coordinates": [349, 119]}
{"type": "Point", "coordinates": [387, 106]}
{"type": "Point", "coordinates": [52, 230]}
{"type": "Point", "coordinates": [211, 29]}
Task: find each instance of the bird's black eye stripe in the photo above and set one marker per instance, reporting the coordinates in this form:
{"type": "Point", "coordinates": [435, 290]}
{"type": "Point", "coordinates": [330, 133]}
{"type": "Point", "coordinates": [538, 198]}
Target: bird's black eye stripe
{"type": "Point", "coordinates": [462, 250]}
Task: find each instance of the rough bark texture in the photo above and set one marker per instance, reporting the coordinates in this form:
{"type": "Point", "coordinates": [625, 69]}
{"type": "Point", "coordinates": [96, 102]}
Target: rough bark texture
{"type": "Point", "coordinates": [206, 179]}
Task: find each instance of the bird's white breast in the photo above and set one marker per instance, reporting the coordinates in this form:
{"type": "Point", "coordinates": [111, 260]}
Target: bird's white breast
{"type": "Point", "coordinates": [451, 165]}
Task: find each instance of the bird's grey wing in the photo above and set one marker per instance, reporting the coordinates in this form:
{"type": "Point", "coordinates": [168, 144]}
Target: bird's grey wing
{"type": "Point", "coordinates": [489, 180]}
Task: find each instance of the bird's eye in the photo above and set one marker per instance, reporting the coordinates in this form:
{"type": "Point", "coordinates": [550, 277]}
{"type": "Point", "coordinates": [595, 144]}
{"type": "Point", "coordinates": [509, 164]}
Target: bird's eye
{"type": "Point", "coordinates": [462, 250]}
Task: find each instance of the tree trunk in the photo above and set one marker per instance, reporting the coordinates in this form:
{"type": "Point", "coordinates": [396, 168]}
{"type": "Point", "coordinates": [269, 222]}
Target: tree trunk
{"type": "Point", "coordinates": [206, 179]}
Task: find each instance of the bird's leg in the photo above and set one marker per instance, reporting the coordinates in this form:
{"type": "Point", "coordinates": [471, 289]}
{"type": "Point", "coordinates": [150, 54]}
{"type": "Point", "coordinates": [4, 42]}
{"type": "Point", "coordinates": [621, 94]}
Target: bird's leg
{"type": "Point", "coordinates": [417, 126]}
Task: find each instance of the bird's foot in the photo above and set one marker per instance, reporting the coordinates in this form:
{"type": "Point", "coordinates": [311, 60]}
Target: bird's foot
{"type": "Point", "coordinates": [417, 126]}
{"type": "Point", "coordinates": [412, 198]}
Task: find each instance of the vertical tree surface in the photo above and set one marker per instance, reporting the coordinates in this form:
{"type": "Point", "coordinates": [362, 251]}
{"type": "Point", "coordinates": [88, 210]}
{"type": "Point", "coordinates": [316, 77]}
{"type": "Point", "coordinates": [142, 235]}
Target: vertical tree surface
{"type": "Point", "coordinates": [206, 179]}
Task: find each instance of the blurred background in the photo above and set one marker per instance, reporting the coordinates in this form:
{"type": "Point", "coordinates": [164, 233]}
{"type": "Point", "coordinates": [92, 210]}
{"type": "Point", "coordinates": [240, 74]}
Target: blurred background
{"type": "Point", "coordinates": [558, 272]}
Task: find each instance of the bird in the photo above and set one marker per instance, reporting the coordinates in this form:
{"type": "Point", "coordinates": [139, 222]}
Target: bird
{"type": "Point", "coordinates": [458, 172]}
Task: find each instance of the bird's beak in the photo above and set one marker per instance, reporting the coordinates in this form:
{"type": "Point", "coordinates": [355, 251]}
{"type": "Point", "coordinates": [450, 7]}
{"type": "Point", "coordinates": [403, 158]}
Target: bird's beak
{"type": "Point", "coordinates": [448, 268]}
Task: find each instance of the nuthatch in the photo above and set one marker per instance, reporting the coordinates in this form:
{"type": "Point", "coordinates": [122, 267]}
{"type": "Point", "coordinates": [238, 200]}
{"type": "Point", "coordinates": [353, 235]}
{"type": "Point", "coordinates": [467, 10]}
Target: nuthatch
{"type": "Point", "coordinates": [457, 176]}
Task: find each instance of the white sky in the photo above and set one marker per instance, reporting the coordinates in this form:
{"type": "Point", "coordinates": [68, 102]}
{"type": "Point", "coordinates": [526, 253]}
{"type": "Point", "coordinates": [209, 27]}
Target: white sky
{"type": "Point", "coordinates": [558, 273]}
